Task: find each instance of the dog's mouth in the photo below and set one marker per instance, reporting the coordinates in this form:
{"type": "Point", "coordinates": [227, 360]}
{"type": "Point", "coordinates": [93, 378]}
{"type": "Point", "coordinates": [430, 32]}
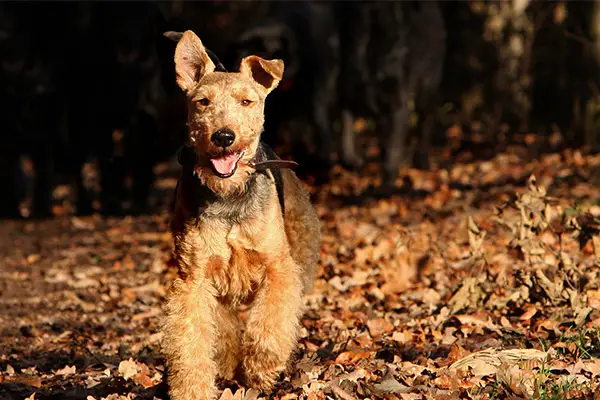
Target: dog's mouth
{"type": "Point", "coordinates": [225, 165]}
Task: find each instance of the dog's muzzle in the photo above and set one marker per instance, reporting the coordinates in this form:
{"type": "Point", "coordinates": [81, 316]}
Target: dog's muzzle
{"type": "Point", "coordinates": [225, 164]}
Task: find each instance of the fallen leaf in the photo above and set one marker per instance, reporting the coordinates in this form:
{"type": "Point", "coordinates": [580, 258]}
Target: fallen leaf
{"type": "Point", "coordinates": [389, 384]}
{"type": "Point", "coordinates": [66, 371]}
{"type": "Point", "coordinates": [487, 362]}
{"type": "Point", "coordinates": [468, 295]}
{"type": "Point", "coordinates": [226, 395]}
{"type": "Point", "coordinates": [593, 297]}
{"type": "Point", "coordinates": [581, 314]}
{"type": "Point", "coordinates": [402, 337]}
{"type": "Point", "coordinates": [351, 357]}
{"type": "Point", "coordinates": [520, 382]}
{"type": "Point", "coordinates": [378, 327]}
{"type": "Point", "coordinates": [593, 367]}
{"type": "Point", "coordinates": [528, 314]}
{"type": "Point", "coordinates": [128, 369]}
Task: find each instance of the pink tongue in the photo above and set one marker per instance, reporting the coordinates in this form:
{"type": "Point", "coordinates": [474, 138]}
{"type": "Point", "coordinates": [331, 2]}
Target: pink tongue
{"type": "Point", "coordinates": [226, 164]}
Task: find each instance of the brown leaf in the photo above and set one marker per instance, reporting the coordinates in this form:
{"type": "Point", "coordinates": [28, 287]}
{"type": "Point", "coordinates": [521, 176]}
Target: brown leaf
{"type": "Point", "coordinates": [378, 327]}
{"type": "Point", "coordinates": [351, 357]}
{"type": "Point", "coordinates": [66, 371]}
{"type": "Point", "coordinates": [529, 313]}
{"type": "Point", "coordinates": [476, 236]}
{"type": "Point", "coordinates": [593, 367]}
{"type": "Point", "coordinates": [447, 381]}
{"type": "Point", "coordinates": [488, 361]}
{"type": "Point", "coordinates": [469, 295]}
{"type": "Point", "coordinates": [340, 393]}
{"type": "Point", "coordinates": [138, 372]}
{"type": "Point", "coordinates": [398, 275]}
{"type": "Point", "coordinates": [402, 336]}
{"type": "Point", "coordinates": [479, 321]}
{"type": "Point", "coordinates": [34, 381]}
{"type": "Point", "coordinates": [456, 353]}
{"type": "Point", "coordinates": [226, 395]}
{"type": "Point", "coordinates": [353, 376]}
{"type": "Point", "coordinates": [128, 369]}
{"type": "Point", "coordinates": [593, 297]}
{"type": "Point", "coordinates": [581, 314]}
{"type": "Point", "coordinates": [553, 290]}
{"type": "Point", "coordinates": [519, 381]}
{"type": "Point", "coordinates": [389, 384]}
{"type": "Point", "coordinates": [143, 380]}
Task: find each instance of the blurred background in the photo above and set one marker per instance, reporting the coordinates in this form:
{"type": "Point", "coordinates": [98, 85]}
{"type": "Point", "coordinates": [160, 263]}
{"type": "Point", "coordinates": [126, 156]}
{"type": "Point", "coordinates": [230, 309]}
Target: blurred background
{"type": "Point", "coordinates": [91, 116]}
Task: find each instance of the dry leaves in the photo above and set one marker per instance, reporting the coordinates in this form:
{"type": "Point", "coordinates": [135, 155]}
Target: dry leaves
{"type": "Point", "coordinates": [138, 372]}
{"type": "Point", "coordinates": [66, 371]}
{"type": "Point", "coordinates": [481, 279]}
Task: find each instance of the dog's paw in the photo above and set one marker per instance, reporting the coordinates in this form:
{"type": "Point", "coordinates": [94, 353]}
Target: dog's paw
{"type": "Point", "coordinates": [261, 371]}
{"type": "Point", "coordinates": [262, 381]}
{"type": "Point", "coordinates": [193, 383]}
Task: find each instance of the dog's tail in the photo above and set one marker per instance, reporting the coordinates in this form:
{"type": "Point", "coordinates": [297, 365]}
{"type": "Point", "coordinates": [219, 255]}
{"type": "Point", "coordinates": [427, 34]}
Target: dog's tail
{"type": "Point", "coordinates": [176, 36]}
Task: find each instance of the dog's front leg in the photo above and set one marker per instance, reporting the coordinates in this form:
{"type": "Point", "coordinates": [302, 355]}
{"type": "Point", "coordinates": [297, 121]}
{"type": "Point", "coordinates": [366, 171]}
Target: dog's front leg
{"type": "Point", "coordinates": [272, 325]}
{"type": "Point", "coordinates": [189, 335]}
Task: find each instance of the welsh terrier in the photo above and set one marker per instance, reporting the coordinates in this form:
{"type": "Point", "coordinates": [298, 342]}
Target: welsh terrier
{"type": "Point", "coordinates": [245, 233]}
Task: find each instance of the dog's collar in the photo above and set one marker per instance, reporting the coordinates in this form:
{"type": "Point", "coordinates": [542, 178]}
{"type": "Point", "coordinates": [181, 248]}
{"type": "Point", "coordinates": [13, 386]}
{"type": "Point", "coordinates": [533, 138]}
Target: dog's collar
{"type": "Point", "coordinates": [271, 164]}
{"type": "Point", "coordinates": [186, 157]}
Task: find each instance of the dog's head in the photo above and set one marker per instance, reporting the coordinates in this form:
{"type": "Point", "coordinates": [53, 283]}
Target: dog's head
{"type": "Point", "coordinates": [225, 112]}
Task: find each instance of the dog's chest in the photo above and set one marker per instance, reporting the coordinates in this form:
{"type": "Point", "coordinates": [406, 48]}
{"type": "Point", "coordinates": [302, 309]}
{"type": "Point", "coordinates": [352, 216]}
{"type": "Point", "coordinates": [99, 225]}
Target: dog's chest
{"type": "Point", "coordinates": [239, 271]}
{"type": "Point", "coordinates": [229, 238]}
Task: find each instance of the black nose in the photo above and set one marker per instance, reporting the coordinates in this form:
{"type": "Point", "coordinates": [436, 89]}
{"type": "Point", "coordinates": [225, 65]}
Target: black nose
{"type": "Point", "coordinates": [223, 137]}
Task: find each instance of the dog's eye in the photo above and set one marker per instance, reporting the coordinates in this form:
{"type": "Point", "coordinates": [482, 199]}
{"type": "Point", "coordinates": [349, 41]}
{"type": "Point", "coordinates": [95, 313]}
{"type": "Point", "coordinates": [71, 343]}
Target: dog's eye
{"type": "Point", "coordinates": [246, 102]}
{"type": "Point", "coordinates": [204, 102]}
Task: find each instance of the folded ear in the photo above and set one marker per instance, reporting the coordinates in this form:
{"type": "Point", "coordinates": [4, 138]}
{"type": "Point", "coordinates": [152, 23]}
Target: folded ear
{"type": "Point", "coordinates": [266, 73]}
{"type": "Point", "coordinates": [191, 61]}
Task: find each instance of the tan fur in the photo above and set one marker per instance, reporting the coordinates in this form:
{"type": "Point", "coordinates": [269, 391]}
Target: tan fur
{"type": "Point", "coordinates": [239, 249]}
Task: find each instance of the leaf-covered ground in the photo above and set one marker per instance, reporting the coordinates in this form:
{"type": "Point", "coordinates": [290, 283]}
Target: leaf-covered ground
{"type": "Point", "coordinates": [476, 281]}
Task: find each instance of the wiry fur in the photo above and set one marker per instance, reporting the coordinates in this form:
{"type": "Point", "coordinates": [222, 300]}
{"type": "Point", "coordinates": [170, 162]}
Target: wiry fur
{"type": "Point", "coordinates": [233, 243]}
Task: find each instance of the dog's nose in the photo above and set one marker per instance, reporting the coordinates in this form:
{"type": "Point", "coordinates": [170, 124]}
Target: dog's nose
{"type": "Point", "coordinates": [223, 137]}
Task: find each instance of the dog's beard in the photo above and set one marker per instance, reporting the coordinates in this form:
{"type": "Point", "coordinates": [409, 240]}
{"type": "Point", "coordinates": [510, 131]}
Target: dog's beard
{"type": "Point", "coordinates": [232, 186]}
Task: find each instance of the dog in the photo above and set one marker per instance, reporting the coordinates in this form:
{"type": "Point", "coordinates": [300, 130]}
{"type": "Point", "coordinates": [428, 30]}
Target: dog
{"type": "Point", "coordinates": [245, 233]}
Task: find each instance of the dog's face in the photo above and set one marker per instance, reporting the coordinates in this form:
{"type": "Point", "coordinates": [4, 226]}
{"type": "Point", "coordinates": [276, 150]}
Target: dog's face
{"type": "Point", "coordinates": [225, 112]}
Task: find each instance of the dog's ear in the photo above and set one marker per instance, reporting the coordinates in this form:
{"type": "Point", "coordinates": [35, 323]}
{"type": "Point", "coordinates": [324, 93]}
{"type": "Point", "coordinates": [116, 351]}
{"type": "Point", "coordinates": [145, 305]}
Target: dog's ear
{"type": "Point", "coordinates": [266, 73]}
{"type": "Point", "coordinates": [191, 61]}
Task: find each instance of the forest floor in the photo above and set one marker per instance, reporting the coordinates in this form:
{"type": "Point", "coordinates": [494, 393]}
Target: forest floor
{"type": "Point", "coordinates": [476, 281]}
